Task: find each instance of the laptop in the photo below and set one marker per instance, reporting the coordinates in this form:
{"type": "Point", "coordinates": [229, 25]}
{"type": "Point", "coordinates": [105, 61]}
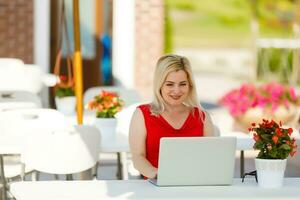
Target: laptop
{"type": "Point", "coordinates": [195, 161]}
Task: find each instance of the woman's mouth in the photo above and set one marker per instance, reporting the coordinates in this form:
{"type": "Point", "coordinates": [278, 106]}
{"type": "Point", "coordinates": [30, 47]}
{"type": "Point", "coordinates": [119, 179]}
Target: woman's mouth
{"type": "Point", "coordinates": [175, 97]}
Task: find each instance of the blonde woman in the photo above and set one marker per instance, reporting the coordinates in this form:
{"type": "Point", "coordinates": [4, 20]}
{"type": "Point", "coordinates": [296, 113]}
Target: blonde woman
{"type": "Point", "coordinates": [174, 112]}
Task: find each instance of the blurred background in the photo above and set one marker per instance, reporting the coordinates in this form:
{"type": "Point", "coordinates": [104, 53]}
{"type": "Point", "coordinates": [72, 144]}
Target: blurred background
{"type": "Point", "coordinates": [227, 41]}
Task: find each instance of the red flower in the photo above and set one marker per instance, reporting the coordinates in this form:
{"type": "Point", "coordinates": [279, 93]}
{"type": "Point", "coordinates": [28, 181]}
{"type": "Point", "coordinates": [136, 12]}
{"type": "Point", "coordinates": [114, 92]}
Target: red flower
{"type": "Point", "coordinates": [256, 137]}
{"type": "Point", "coordinates": [293, 153]}
{"type": "Point", "coordinates": [278, 132]}
{"type": "Point", "coordinates": [63, 78]}
{"type": "Point", "coordinates": [275, 139]}
{"type": "Point", "coordinates": [106, 104]}
{"type": "Point", "coordinates": [290, 131]}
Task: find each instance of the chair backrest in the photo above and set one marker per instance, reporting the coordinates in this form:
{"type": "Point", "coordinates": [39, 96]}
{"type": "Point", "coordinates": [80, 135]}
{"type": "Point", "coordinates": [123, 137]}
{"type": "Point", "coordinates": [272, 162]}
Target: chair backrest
{"type": "Point", "coordinates": [123, 121]}
{"type": "Point", "coordinates": [60, 151]}
{"type": "Point", "coordinates": [130, 96]}
{"type": "Point", "coordinates": [15, 75]}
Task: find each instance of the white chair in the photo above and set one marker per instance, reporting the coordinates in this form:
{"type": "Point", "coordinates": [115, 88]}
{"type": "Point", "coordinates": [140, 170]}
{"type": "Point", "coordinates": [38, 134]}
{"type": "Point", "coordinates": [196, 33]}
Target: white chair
{"type": "Point", "coordinates": [18, 99]}
{"type": "Point", "coordinates": [15, 125]}
{"type": "Point", "coordinates": [60, 151]}
{"type": "Point", "coordinates": [130, 96]}
{"type": "Point", "coordinates": [15, 75]}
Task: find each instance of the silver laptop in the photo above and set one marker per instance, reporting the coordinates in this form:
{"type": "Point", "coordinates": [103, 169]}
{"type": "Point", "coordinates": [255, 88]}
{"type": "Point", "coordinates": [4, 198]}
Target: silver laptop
{"type": "Point", "coordinates": [196, 161]}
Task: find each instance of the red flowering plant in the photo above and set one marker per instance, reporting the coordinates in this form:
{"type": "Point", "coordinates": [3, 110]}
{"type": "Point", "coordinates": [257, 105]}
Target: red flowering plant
{"type": "Point", "coordinates": [272, 140]}
{"type": "Point", "coordinates": [106, 104]}
{"type": "Point", "coordinates": [65, 91]}
{"type": "Point", "coordinates": [269, 95]}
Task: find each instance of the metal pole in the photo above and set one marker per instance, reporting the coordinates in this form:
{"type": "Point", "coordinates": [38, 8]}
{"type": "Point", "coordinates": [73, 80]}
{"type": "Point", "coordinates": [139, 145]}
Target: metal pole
{"type": "Point", "coordinates": [77, 62]}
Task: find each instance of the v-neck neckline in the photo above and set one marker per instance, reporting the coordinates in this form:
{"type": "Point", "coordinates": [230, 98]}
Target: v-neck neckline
{"type": "Point", "coordinates": [183, 125]}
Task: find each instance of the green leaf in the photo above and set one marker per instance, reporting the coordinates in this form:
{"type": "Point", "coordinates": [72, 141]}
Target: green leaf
{"type": "Point", "coordinates": [285, 147]}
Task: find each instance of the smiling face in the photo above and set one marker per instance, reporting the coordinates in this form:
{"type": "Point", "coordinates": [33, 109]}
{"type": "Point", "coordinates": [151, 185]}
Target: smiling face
{"type": "Point", "coordinates": [176, 88]}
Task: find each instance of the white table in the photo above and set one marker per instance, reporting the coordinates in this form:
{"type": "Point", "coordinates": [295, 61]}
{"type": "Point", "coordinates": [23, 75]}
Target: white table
{"type": "Point", "coordinates": [142, 189]}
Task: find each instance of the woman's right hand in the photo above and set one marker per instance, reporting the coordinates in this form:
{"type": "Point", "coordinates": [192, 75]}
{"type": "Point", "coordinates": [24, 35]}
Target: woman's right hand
{"type": "Point", "coordinates": [153, 174]}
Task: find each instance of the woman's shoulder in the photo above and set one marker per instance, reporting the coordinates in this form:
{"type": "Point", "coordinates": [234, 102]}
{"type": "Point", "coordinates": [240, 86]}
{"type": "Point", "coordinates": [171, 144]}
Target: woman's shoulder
{"type": "Point", "coordinates": [144, 107]}
{"type": "Point", "coordinates": [200, 112]}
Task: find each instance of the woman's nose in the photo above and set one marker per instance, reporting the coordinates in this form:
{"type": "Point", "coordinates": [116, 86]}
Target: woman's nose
{"type": "Point", "coordinates": [176, 90]}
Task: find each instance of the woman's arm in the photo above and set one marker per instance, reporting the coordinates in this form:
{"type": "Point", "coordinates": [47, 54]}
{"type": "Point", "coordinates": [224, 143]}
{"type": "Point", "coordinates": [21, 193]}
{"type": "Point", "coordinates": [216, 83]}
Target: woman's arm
{"type": "Point", "coordinates": [208, 125]}
{"type": "Point", "coordinates": [137, 142]}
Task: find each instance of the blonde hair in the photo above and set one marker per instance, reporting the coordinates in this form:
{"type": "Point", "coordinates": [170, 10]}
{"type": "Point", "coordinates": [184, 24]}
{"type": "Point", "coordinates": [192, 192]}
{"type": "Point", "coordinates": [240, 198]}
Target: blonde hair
{"type": "Point", "coordinates": [165, 65]}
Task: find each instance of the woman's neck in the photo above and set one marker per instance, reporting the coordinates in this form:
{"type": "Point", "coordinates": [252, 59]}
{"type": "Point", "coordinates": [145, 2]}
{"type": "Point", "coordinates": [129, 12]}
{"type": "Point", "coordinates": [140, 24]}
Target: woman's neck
{"type": "Point", "coordinates": [175, 109]}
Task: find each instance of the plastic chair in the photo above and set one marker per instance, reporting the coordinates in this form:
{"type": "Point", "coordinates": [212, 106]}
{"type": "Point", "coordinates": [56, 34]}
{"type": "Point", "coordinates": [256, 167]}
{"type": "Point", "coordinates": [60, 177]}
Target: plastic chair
{"type": "Point", "coordinates": [19, 99]}
{"type": "Point", "coordinates": [18, 123]}
{"type": "Point", "coordinates": [62, 152]}
{"type": "Point", "coordinates": [15, 75]}
{"type": "Point", "coordinates": [130, 96]}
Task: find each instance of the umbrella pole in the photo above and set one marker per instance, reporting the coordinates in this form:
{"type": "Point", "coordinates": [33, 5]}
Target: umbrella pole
{"type": "Point", "coordinates": [77, 62]}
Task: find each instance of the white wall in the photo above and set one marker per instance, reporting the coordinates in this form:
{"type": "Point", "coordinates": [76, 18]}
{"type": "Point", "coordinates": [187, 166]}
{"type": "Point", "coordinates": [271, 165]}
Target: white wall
{"type": "Point", "coordinates": [41, 46]}
{"type": "Point", "coordinates": [123, 42]}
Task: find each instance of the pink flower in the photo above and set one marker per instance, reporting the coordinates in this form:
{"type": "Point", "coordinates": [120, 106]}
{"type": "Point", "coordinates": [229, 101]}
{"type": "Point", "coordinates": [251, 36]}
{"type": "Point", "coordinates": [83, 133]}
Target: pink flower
{"type": "Point", "coordinates": [247, 96]}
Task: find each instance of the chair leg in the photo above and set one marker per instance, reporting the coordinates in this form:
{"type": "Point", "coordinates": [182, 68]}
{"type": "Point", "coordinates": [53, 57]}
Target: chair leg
{"type": "Point", "coordinates": [119, 168]}
{"type": "Point", "coordinates": [22, 174]}
{"type": "Point", "coordinates": [56, 177]}
{"type": "Point", "coordinates": [34, 176]}
{"type": "Point", "coordinates": [95, 170]}
{"type": "Point", "coordinates": [86, 175]}
{"type": "Point", "coordinates": [4, 196]}
{"type": "Point", "coordinates": [124, 165]}
{"type": "Point", "coordinates": [69, 177]}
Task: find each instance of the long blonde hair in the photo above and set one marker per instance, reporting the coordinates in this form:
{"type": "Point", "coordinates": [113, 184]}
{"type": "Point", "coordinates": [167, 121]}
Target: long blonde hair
{"type": "Point", "coordinates": [165, 65]}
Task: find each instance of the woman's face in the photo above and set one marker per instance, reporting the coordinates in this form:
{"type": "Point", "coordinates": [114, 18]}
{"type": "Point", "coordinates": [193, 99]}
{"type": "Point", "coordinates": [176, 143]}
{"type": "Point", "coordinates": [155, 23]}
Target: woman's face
{"type": "Point", "coordinates": [175, 89]}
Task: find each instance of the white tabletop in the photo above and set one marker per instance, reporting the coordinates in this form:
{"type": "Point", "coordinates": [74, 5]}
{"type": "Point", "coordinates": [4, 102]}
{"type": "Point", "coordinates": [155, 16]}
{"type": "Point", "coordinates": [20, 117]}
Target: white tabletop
{"type": "Point", "coordinates": [141, 189]}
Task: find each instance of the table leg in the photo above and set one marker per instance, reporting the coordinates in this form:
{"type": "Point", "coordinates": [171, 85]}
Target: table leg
{"type": "Point", "coordinates": [242, 162]}
{"type": "Point", "coordinates": [119, 163]}
{"type": "Point", "coordinates": [3, 177]}
{"type": "Point", "coordinates": [124, 166]}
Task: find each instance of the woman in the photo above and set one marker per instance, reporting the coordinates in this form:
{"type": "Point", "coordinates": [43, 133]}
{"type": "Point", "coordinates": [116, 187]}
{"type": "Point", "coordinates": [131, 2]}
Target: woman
{"type": "Point", "coordinates": [175, 112]}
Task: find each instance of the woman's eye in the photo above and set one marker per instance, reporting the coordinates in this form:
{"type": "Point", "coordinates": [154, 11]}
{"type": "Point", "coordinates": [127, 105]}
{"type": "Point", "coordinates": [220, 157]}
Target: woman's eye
{"type": "Point", "coordinates": [169, 84]}
{"type": "Point", "coordinates": [183, 84]}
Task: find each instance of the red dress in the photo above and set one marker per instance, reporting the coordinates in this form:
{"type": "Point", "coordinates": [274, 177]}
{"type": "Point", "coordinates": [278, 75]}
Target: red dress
{"type": "Point", "coordinates": [157, 127]}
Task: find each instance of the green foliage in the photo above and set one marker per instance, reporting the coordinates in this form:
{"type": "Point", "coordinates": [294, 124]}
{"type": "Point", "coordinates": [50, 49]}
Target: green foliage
{"type": "Point", "coordinates": [226, 22]}
{"type": "Point", "coordinates": [64, 92]}
{"type": "Point", "coordinates": [168, 40]}
{"type": "Point", "coordinates": [275, 65]}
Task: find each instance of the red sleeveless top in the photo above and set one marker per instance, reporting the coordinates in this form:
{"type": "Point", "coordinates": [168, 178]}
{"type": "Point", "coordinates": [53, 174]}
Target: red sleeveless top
{"type": "Point", "coordinates": [157, 127]}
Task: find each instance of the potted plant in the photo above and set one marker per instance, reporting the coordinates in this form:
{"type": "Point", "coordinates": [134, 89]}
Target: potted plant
{"type": "Point", "coordinates": [64, 98]}
{"type": "Point", "coordinates": [106, 105]}
{"type": "Point", "coordinates": [251, 103]}
{"type": "Point", "coordinates": [275, 144]}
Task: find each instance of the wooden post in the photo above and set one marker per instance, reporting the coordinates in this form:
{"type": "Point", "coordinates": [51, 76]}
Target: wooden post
{"type": "Point", "coordinates": [77, 62]}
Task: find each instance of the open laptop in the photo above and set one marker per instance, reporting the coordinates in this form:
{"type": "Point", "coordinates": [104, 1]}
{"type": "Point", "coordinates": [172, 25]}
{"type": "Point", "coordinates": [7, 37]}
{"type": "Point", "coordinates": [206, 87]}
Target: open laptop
{"type": "Point", "coordinates": [195, 161]}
